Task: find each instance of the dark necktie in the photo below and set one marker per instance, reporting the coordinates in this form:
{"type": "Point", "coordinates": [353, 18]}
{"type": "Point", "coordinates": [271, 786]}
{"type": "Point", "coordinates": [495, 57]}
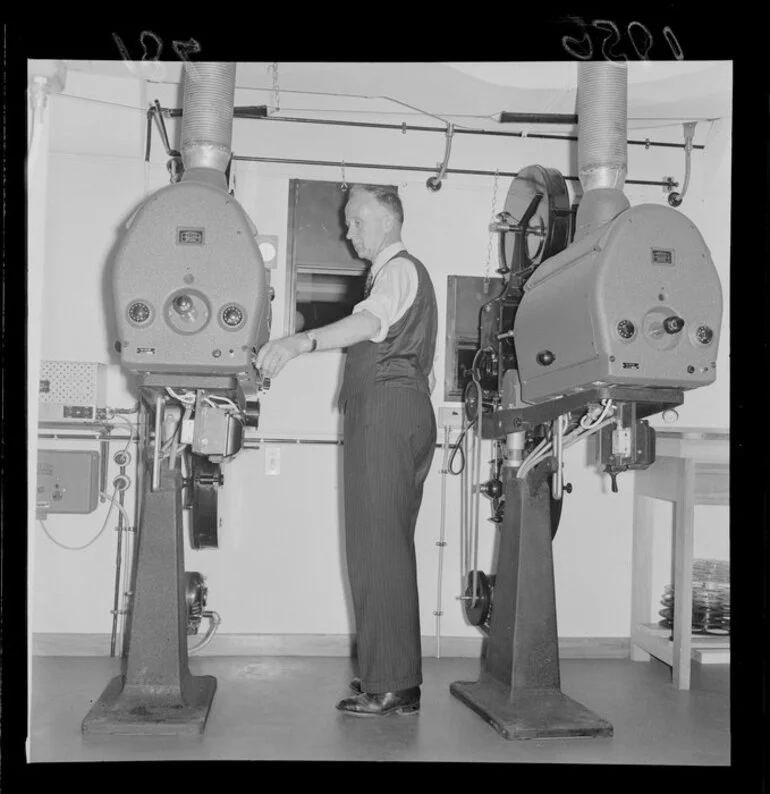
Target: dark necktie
{"type": "Point", "coordinates": [369, 282]}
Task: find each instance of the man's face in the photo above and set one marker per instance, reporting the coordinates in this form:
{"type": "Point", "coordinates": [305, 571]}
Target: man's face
{"type": "Point", "coordinates": [368, 224]}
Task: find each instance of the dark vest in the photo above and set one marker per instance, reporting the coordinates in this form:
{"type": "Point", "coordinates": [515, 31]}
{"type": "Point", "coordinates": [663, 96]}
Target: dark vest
{"type": "Point", "coordinates": [405, 356]}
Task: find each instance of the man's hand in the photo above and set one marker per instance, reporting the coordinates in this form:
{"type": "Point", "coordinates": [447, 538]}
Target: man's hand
{"type": "Point", "coordinates": [274, 356]}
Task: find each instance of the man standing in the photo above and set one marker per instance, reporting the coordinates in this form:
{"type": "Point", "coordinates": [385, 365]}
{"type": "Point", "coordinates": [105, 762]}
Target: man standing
{"type": "Point", "coordinates": [390, 438]}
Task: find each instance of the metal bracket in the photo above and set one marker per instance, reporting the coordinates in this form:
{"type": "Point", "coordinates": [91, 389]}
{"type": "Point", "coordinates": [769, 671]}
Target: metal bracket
{"type": "Point", "coordinates": [174, 165]}
{"type": "Point", "coordinates": [675, 199]}
{"type": "Point", "coordinates": [434, 182]}
{"type": "Point", "coordinates": [669, 183]}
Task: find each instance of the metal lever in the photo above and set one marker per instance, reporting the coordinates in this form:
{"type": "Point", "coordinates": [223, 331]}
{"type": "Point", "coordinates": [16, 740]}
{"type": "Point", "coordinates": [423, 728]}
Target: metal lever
{"type": "Point", "coordinates": [434, 182]}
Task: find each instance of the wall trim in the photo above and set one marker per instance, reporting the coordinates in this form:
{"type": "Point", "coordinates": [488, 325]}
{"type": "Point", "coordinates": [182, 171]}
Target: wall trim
{"type": "Point", "coordinates": [45, 644]}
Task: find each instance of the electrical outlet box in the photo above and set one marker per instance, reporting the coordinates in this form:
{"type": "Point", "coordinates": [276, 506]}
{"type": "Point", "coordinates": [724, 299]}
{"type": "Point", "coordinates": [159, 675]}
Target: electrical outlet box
{"type": "Point", "coordinates": [450, 417]}
{"type": "Point", "coordinates": [67, 481]}
{"type": "Point", "coordinates": [272, 460]}
{"type": "Point", "coordinates": [70, 391]}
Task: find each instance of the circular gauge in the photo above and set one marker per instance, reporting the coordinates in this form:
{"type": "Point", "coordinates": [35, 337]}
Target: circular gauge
{"type": "Point", "coordinates": [232, 316]}
{"type": "Point", "coordinates": [626, 329]}
{"type": "Point", "coordinates": [139, 313]}
{"type": "Point", "coordinates": [704, 335]}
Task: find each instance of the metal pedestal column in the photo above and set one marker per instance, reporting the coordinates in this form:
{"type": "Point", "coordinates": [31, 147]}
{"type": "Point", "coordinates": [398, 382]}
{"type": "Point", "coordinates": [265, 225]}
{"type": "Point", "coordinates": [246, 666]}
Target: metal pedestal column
{"type": "Point", "coordinates": [157, 693]}
{"type": "Point", "coordinates": [519, 688]}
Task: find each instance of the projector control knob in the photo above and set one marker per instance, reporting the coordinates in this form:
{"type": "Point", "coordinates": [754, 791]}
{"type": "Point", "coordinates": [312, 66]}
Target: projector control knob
{"type": "Point", "coordinates": [704, 334]}
{"type": "Point", "coordinates": [545, 357]}
{"type": "Point", "coordinates": [232, 316]}
{"type": "Point", "coordinates": [183, 304]}
{"type": "Point", "coordinates": [139, 312]}
{"type": "Point", "coordinates": [626, 329]}
{"type": "Point", "coordinates": [673, 325]}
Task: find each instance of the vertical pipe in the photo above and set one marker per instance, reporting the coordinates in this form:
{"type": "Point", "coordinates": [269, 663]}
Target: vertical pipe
{"type": "Point", "coordinates": [464, 508]}
{"type": "Point", "coordinates": [118, 566]}
{"type": "Point", "coordinates": [159, 403]}
{"type": "Point", "coordinates": [441, 544]}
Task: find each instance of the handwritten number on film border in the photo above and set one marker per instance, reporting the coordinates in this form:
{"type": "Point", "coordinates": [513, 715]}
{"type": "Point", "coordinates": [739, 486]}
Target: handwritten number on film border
{"type": "Point", "coordinates": [639, 35]}
{"type": "Point", "coordinates": [183, 49]}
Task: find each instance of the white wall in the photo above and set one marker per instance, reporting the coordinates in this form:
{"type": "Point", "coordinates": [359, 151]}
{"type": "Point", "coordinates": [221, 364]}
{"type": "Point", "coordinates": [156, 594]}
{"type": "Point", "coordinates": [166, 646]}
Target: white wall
{"type": "Point", "coordinates": [280, 565]}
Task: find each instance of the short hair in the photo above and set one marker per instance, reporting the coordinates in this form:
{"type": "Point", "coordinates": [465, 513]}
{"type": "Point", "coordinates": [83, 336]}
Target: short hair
{"type": "Point", "coordinates": [387, 196]}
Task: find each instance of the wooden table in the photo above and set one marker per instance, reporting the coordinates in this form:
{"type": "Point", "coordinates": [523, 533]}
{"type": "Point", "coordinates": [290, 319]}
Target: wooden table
{"type": "Point", "coordinates": [692, 467]}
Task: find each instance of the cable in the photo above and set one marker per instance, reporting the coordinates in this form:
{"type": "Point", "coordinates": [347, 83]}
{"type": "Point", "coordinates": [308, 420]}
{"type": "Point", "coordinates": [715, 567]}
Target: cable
{"type": "Point", "coordinates": [582, 431]}
{"type": "Point", "coordinates": [456, 447]}
{"type": "Point", "coordinates": [186, 399]}
{"type": "Point", "coordinates": [607, 407]}
{"type": "Point", "coordinates": [212, 399]}
{"type": "Point", "coordinates": [214, 621]}
{"type": "Point", "coordinates": [441, 542]}
{"type": "Point", "coordinates": [130, 425]}
{"type": "Point", "coordinates": [117, 504]}
{"type": "Point", "coordinates": [103, 102]}
{"type": "Point", "coordinates": [113, 503]}
{"type": "Point", "coordinates": [476, 495]}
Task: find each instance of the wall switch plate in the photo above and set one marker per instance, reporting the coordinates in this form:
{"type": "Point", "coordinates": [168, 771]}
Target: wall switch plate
{"type": "Point", "coordinates": [272, 460]}
{"type": "Point", "coordinates": [451, 417]}
{"type": "Point", "coordinates": [268, 248]}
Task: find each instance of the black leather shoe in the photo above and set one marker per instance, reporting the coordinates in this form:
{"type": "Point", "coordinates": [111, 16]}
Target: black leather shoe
{"type": "Point", "coordinates": [402, 701]}
{"type": "Point", "coordinates": [355, 685]}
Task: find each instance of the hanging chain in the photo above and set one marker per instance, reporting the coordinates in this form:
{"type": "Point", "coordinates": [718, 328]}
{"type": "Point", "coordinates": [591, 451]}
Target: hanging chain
{"type": "Point", "coordinates": [276, 96]}
{"type": "Point", "coordinates": [491, 233]}
{"type": "Point", "coordinates": [344, 181]}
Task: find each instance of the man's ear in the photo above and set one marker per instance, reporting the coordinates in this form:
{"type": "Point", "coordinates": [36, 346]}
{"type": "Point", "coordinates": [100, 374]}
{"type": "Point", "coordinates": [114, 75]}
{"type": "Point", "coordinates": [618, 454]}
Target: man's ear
{"type": "Point", "coordinates": [388, 222]}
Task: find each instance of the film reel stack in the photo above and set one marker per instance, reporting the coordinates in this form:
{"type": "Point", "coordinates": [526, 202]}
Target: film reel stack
{"type": "Point", "coordinates": [710, 599]}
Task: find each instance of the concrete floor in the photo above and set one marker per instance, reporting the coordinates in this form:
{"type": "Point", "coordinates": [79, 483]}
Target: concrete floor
{"type": "Point", "coordinates": [282, 708]}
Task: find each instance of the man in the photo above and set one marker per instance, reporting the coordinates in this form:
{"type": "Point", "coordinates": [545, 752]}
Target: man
{"type": "Point", "coordinates": [390, 437]}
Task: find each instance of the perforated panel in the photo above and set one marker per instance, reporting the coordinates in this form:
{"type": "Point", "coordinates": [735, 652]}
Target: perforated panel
{"type": "Point", "coordinates": [70, 382]}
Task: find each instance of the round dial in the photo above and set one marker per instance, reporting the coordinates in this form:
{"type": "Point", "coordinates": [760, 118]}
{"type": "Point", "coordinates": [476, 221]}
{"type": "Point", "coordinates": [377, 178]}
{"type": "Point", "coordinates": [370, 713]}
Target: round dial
{"type": "Point", "coordinates": [704, 334]}
{"type": "Point", "coordinates": [626, 329]}
{"type": "Point", "coordinates": [139, 312]}
{"type": "Point", "coordinates": [232, 316]}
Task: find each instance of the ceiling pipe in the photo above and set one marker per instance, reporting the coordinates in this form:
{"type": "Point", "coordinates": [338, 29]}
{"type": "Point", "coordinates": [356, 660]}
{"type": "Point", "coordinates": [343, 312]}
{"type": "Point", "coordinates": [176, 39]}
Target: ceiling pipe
{"type": "Point", "coordinates": [260, 112]}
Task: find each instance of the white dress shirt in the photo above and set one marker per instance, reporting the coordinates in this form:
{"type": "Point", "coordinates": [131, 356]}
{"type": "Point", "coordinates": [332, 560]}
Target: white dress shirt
{"type": "Point", "coordinates": [394, 289]}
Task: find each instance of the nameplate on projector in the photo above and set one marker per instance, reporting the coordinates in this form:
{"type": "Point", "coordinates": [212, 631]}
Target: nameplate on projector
{"type": "Point", "coordinates": [662, 256]}
{"type": "Point", "coordinates": [189, 236]}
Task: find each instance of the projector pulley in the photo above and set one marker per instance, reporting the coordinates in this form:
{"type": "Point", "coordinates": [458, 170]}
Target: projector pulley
{"type": "Point", "coordinates": [201, 500]}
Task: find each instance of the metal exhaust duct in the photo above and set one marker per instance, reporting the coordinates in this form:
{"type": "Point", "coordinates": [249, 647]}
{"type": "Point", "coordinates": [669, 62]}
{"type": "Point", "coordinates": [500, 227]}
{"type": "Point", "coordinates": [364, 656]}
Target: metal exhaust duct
{"type": "Point", "coordinates": [602, 106]}
{"type": "Point", "coordinates": [207, 121]}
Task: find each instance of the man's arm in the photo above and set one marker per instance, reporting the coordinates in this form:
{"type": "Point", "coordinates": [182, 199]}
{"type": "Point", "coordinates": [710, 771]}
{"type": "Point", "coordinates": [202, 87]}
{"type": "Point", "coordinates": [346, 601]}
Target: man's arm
{"type": "Point", "coordinates": [274, 356]}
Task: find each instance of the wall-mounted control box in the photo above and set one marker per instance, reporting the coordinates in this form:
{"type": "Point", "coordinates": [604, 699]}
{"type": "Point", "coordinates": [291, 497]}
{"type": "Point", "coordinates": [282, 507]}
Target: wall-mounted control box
{"type": "Point", "coordinates": [67, 481]}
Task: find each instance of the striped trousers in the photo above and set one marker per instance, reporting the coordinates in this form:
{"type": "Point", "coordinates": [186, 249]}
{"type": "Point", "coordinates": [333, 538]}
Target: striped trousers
{"type": "Point", "coordinates": [390, 438]}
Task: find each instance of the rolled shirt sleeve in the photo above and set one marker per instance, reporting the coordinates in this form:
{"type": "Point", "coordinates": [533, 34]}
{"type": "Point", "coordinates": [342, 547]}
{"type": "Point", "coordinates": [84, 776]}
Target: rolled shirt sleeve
{"type": "Point", "coordinates": [393, 292]}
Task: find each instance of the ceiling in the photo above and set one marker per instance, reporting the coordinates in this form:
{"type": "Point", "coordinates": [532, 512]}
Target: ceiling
{"type": "Point", "coordinates": [658, 92]}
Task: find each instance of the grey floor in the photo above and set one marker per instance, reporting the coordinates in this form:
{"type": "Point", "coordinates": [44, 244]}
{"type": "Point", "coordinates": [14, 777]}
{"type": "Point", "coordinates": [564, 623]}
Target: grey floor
{"type": "Point", "coordinates": [282, 708]}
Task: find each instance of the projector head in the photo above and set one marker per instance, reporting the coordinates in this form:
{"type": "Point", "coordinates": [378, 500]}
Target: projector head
{"type": "Point", "coordinates": [190, 287]}
{"type": "Point", "coordinates": [637, 303]}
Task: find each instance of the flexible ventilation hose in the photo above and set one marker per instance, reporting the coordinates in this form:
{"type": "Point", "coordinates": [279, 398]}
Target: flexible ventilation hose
{"type": "Point", "coordinates": [602, 105]}
{"type": "Point", "coordinates": [207, 121]}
